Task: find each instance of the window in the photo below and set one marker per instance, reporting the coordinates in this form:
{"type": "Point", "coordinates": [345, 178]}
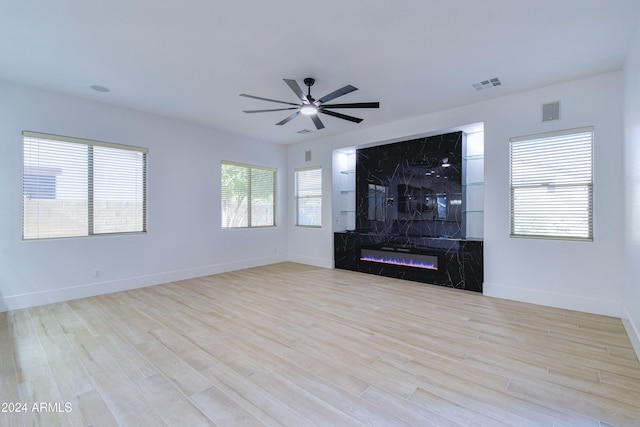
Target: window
{"type": "Point", "coordinates": [551, 185]}
{"type": "Point", "coordinates": [248, 196]}
{"type": "Point", "coordinates": [309, 197]}
{"type": "Point", "coordinates": [75, 187]}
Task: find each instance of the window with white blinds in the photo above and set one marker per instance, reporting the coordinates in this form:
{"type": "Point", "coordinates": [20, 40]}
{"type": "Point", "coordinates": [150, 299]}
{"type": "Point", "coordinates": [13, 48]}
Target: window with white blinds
{"type": "Point", "coordinates": [248, 196]}
{"type": "Point", "coordinates": [74, 187]}
{"type": "Point", "coordinates": [552, 185]}
{"type": "Point", "coordinates": [308, 193]}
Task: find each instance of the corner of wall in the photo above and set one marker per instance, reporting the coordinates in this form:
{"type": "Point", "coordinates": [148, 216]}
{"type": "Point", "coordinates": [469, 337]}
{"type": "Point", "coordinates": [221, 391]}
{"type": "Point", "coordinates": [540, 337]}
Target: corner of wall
{"type": "Point", "coordinates": [631, 307]}
{"type": "Point", "coordinates": [633, 331]}
{"type": "Point", "coordinates": [317, 262]}
{"type": "Point", "coordinates": [552, 299]}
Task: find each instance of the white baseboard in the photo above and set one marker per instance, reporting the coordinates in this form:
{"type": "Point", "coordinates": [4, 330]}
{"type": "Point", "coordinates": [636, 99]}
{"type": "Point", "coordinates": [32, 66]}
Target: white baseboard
{"type": "Point", "coordinates": [318, 262]}
{"type": "Point", "coordinates": [553, 299]}
{"type": "Point", "coordinates": [633, 330]}
{"type": "Point", "coordinates": [33, 299]}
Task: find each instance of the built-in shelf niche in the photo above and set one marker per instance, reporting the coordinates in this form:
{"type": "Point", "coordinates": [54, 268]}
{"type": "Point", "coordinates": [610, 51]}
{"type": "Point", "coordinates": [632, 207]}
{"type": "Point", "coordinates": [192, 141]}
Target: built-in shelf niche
{"type": "Point", "coordinates": [345, 190]}
{"type": "Point", "coordinates": [473, 184]}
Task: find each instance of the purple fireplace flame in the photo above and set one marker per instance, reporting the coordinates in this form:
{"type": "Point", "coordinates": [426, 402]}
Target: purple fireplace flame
{"type": "Point", "coordinates": [400, 258]}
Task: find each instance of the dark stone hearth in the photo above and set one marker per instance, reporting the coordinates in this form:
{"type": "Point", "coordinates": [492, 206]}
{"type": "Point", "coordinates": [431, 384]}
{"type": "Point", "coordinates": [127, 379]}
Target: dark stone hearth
{"type": "Point", "coordinates": [459, 261]}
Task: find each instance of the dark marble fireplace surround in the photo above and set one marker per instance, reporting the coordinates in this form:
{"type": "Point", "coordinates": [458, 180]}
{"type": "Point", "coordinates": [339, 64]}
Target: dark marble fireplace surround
{"type": "Point", "coordinates": [409, 208]}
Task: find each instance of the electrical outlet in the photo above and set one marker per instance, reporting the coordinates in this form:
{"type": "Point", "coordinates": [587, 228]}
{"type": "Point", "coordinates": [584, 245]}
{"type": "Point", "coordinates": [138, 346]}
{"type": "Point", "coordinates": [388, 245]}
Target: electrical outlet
{"type": "Point", "coordinates": [97, 273]}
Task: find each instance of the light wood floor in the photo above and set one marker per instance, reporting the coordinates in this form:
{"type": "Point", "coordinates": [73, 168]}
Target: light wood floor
{"type": "Point", "coordinates": [296, 345]}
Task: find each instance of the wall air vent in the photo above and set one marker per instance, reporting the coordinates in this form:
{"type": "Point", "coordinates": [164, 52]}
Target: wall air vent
{"type": "Point", "coordinates": [551, 111]}
{"type": "Point", "coordinates": [486, 84]}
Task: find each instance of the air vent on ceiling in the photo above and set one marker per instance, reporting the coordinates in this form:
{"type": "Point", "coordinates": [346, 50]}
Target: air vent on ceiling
{"type": "Point", "coordinates": [303, 131]}
{"type": "Point", "coordinates": [486, 84]}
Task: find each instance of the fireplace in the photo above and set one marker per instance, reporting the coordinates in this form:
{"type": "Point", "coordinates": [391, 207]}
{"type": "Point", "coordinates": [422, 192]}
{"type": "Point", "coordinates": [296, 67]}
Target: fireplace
{"type": "Point", "coordinates": [456, 263]}
{"type": "Point", "coordinates": [410, 208]}
{"type": "Point", "coordinates": [400, 257]}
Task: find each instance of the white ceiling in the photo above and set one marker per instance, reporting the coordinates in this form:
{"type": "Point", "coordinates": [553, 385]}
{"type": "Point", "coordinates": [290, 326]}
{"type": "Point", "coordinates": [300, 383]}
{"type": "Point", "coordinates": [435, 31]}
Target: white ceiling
{"type": "Point", "coordinates": [191, 59]}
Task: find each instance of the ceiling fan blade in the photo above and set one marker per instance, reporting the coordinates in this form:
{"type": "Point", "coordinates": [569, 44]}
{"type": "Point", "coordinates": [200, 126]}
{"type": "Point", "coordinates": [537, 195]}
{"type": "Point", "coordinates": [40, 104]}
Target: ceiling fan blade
{"type": "Point", "coordinates": [317, 121]}
{"type": "Point", "coordinates": [295, 87]}
{"type": "Point", "coordinates": [335, 94]}
{"type": "Point", "coordinates": [288, 119]}
{"type": "Point", "coordinates": [353, 105]}
{"type": "Point", "coordinates": [341, 116]}
{"type": "Point", "coordinates": [267, 99]}
{"type": "Point", "coordinates": [264, 111]}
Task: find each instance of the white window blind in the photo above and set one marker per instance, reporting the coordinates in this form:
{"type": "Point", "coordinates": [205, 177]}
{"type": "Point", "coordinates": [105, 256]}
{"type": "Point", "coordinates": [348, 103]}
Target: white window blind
{"type": "Point", "coordinates": [308, 193]}
{"type": "Point", "coordinates": [118, 190]}
{"type": "Point", "coordinates": [551, 185]}
{"type": "Point", "coordinates": [74, 187]}
{"type": "Point", "coordinates": [262, 197]}
{"type": "Point", "coordinates": [247, 196]}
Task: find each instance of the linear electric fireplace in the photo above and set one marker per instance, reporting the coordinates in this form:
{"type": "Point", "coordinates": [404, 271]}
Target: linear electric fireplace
{"type": "Point", "coordinates": [456, 263]}
{"type": "Point", "coordinates": [401, 258]}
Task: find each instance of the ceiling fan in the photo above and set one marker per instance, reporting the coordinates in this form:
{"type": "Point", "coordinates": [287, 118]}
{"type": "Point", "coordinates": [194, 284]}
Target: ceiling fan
{"type": "Point", "coordinates": [311, 107]}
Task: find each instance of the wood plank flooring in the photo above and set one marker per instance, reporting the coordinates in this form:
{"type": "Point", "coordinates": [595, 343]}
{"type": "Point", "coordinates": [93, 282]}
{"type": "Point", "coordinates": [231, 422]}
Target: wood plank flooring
{"type": "Point", "coordinates": [295, 345]}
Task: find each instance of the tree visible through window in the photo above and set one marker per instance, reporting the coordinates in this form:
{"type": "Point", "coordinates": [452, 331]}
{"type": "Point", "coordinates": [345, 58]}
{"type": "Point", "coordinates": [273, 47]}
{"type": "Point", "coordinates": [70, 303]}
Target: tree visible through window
{"type": "Point", "coordinates": [248, 196]}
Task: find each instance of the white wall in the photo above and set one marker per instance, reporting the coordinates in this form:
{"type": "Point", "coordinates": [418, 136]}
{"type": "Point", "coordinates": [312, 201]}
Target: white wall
{"type": "Point", "coordinates": [632, 192]}
{"type": "Point", "coordinates": [584, 276]}
{"type": "Point", "coordinates": [184, 237]}
{"type": "Point", "coordinates": [312, 246]}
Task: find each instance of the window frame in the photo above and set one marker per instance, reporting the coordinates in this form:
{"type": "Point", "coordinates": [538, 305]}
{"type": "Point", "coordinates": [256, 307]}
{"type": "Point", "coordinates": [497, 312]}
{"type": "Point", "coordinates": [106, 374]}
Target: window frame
{"type": "Point", "coordinates": [546, 141]}
{"type": "Point", "coordinates": [90, 197]}
{"type": "Point", "coordinates": [298, 198]}
{"type": "Point", "coordinates": [249, 168]}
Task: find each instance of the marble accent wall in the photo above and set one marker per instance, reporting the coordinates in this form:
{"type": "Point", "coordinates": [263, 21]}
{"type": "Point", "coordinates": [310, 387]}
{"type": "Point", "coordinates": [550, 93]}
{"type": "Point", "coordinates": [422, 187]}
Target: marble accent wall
{"type": "Point", "coordinates": [409, 207]}
{"type": "Point", "coordinates": [411, 188]}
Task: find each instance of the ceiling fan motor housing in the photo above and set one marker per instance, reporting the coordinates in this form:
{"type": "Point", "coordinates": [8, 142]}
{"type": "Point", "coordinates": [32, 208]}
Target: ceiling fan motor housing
{"type": "Point", "coordinates": [309, 82]}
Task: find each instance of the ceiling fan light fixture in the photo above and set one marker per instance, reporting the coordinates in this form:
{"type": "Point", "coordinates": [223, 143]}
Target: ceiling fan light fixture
{"type": "Point", "coordinates": [309, 110]}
